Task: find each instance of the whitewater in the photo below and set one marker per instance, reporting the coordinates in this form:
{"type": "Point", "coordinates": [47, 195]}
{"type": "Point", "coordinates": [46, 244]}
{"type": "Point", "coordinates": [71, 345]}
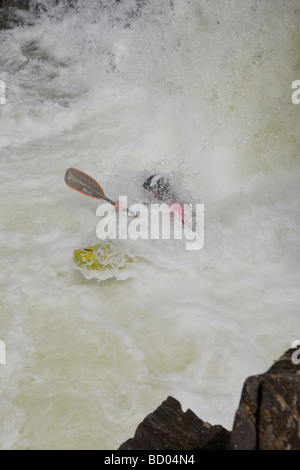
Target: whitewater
{"type": "Point", "coordinates": [200, 91]}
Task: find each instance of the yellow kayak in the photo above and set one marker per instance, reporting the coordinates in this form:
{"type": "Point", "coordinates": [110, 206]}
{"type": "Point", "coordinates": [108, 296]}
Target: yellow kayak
{"type": "Point", "coordinates": [101, 258]}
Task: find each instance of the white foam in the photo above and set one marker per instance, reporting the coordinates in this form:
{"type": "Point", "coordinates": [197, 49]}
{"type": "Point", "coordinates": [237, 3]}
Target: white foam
{"type": "Point", "coordinates": [200, 92]}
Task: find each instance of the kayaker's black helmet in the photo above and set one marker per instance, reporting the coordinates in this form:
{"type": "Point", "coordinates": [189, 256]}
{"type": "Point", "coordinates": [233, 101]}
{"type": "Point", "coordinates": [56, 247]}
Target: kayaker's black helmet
{"type": "Point", "coordinates": [160, 187]}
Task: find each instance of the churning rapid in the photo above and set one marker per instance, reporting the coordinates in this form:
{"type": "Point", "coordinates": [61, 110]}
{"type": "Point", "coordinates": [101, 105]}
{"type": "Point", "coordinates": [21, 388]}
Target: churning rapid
{"type": "Point", "coordinates": [195, 89]}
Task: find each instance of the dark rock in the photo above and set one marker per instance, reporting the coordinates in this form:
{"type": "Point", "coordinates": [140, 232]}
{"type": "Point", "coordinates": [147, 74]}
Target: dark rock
{"type": "Point", "coordinates": [10, 11]}
{"type": "Point", "coordinates": [3, 18]}
{"type": "Point", "coordinates": [14, 3]}
{"type": "Point", "coordinates": [9, 16]}
{"type": "Point", "coordinates": [268, 417]}
{"type": "Point", "coordinates": [169, 428]}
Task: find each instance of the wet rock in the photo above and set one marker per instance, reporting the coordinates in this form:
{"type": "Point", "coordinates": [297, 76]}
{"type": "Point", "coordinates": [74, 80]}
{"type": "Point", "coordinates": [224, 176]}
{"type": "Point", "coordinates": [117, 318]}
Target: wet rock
{"type": "Point", "coordinates": [169, 428]}
{"type": "Point", "coordinates": [268, 417]}
{"type": "Point", "coordinates": [18, 4]}
{"type": "Point", "coordinates": [3, 18]}
{"type": "Point", "coordinates": [9, 9]}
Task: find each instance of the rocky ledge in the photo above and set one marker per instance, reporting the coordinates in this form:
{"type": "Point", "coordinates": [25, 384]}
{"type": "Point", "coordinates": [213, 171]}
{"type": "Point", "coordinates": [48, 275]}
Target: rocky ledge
{"type": "Point", "coordinates": [9, 9]}
{"type": "Point", "coordinates": [268, 417]}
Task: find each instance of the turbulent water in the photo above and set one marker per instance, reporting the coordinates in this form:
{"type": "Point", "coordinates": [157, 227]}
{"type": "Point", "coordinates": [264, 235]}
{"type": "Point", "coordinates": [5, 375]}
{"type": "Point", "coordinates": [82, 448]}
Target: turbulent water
{"type": "Point", "coordinates": [199, 90]}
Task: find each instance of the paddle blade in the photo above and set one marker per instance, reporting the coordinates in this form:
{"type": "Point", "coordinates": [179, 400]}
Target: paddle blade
{"type": "Point", "coordinates": [85, 184]}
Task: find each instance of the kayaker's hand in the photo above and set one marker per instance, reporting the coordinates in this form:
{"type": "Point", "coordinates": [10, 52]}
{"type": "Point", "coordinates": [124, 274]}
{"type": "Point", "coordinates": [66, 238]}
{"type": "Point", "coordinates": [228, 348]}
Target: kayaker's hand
{"type": "Point", "coordinates": [178, 211]}
{"type": "Point", "coordinates": [120, 206]}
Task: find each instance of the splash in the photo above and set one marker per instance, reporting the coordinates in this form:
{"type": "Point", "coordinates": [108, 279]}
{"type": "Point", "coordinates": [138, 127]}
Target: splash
{"type": "Point", "coordinates": [200, 91]}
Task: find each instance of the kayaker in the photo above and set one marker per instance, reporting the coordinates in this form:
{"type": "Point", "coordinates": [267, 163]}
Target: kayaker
{"type": "Point", "coordinates": [159, 189]}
